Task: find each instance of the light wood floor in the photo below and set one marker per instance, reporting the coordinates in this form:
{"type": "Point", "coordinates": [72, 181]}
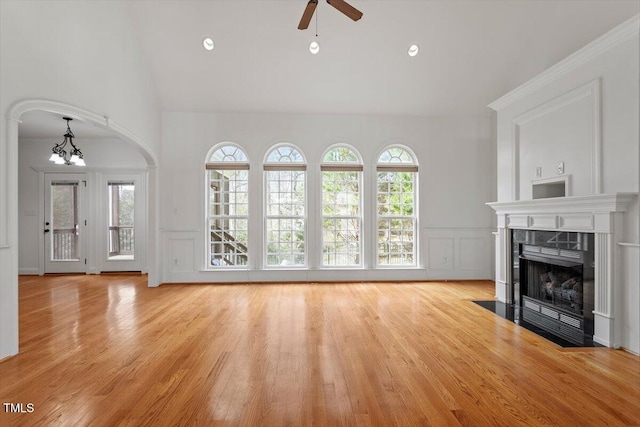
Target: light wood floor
{"type": "Point", "coordinates": [109, 351]}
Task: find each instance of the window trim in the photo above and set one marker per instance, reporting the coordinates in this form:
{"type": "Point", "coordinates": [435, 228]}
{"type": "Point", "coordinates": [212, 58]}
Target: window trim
{"type": "Point", "coordinates": [342, 166]}
{"type": "Point", "coordinates": [271, 166]}
{"type": "Point", "coordinates": [222, 166]}
{"type": "Point", "coordinates": [389, 166]}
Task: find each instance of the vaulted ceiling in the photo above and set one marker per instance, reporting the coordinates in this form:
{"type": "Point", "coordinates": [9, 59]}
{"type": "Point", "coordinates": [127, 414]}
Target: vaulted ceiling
{"type": "Point", "coordinates": [471, 52]}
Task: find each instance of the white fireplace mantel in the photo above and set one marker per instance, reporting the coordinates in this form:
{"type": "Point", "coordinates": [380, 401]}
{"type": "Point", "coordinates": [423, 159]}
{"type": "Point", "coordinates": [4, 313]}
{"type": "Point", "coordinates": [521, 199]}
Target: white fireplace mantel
{"type": "Point", "coordinates": [601, 214]}
{"type": "Point", "coordinates": [577, 213]}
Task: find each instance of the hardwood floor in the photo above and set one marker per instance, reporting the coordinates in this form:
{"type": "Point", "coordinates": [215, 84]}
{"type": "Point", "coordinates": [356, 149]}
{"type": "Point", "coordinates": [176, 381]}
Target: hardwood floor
{"type": "Point", "coordinates": [107, 350]}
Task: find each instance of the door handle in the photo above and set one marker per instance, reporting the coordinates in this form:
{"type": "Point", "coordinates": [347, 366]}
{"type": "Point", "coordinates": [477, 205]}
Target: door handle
{"type": "Point", "coordinates": [46, 230]}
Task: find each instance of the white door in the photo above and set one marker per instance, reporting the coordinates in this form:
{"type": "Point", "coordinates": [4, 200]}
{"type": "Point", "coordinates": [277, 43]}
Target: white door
{"type": "Point", "coordinates": [65, 223]}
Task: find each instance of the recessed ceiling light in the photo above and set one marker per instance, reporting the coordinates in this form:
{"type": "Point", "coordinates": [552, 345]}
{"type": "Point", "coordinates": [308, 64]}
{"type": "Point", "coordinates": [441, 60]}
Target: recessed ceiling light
{"type": "Point", "coordinates": [207, 43]}
{"type": "Point", "coordinates": [413, 50]}
{"type": "Point", "coordinates": [314, 47]}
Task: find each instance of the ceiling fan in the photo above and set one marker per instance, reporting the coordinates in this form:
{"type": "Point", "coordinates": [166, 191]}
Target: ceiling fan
{"type": "Point", "coordinates": [341, 5]}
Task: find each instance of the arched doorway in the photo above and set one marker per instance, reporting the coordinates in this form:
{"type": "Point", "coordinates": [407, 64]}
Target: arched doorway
{"type": "Point", "coordinates": [9, 210]}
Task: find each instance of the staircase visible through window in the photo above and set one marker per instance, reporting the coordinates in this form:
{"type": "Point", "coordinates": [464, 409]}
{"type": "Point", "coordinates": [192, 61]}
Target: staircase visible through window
{"type": "Point", "coordinates": [228, 206]}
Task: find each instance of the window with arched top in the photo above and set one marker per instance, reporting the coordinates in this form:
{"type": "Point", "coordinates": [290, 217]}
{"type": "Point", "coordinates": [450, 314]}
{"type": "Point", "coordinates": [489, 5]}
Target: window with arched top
{"type": "Point", "coordinates": [228, 207]}
{"type": "Point", "coordinates": [396, 202]}
{"type": "Point", "coordinates": [285, 175]}
{"type": "Point", "coordinates": [341, 207]}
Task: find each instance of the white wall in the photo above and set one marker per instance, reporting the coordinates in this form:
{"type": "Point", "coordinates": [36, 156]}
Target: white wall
{"type": "Point", "coordinates": [456, 179]}
{"type": "Point", "coordinates": [583, 111]}
{"type": "Point", "coordinates": [101, 155]}
{"type": "Point", "coordinates": [82, 54]}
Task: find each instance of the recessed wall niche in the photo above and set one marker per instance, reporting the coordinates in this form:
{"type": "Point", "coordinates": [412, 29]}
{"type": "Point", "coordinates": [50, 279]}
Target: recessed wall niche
{"type": "Point", "coordinates": [552, 187]}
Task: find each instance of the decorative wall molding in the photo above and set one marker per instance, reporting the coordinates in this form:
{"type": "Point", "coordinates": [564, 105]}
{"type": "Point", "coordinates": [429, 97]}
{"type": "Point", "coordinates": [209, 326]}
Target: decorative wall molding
{"type": "Point", "coordinates": [458, 253]}
{"type": "Point", "coordinates": [592, 90]}
{"type": "Point", "coordinates": [621, 33]}
{"type": "Point", "coordinates": [467, 252]}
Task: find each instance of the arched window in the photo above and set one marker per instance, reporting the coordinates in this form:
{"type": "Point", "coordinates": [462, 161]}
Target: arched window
{"type": "Point", "coordinates": [397, 173]}
{"type": "Point", "coordinates": [228, 207]}
{"type": "Point", "coordinates": [341, 207]}
{"type": "Point", "coordinates": [285, 207]}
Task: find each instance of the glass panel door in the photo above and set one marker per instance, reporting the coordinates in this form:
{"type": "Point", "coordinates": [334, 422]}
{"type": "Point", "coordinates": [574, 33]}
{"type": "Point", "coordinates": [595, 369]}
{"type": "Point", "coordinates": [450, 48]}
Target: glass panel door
{"type": "Point", "coordinates": [121, 213]}
{"type": "Point", "coordinates": [121, 221]}
{"type": "Point", "coordinates": [64, 223]}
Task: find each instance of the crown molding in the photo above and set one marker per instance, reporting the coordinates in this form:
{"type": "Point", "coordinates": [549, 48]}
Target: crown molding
{"type": "Point", "coordinates": [624, 31]}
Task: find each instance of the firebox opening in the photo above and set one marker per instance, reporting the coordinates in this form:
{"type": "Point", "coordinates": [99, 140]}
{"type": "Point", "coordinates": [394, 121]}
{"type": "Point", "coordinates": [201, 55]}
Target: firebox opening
{"type": "Point", "coordinates": [553, 283]}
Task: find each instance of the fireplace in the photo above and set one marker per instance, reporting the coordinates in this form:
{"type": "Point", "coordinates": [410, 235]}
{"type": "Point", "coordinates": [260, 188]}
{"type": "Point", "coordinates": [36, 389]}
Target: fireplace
{"type": "Point", "coordinates": [594, 227]}
{"type": "Point", "coordinates": [553, 281]}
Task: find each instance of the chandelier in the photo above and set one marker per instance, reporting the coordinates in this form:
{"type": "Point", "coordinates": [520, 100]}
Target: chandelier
{"type": "Point", "coordinates": [60, 155]}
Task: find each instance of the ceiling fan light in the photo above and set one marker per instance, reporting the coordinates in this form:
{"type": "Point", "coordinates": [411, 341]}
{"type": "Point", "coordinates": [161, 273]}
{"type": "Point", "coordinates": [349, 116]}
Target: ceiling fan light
{"type": "Point", "coordinates": [314, 47]}
{"type": "Point", "coordinates": [80, 162]}
{"type": "Point", "coordinates": [413, 50]}
{"type": "Point", "coordinates": [207, 43]}
{"type": "Point", "coordinates": [74, 158]}
{"type": "Point", "coordinates": [54, 157]}
{"type": "Point", "coordinates": [59, 161]}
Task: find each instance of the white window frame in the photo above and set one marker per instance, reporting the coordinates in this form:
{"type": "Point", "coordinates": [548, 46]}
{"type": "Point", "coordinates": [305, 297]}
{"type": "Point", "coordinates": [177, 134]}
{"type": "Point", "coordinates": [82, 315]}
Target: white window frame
{"type": "Point", "coordinates": [396, 164]}
{"type": "Point", "coordinates": [291, 166]}
{"type": "Point", "coordinates": [227, 162]}
{"type": "Point", "coordinates": [345, 166]}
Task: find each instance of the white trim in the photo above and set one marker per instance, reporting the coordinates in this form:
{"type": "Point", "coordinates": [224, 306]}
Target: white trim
{"type": "Point", "coordinates": [219, 145]}
{"type": "Point", "coordinates": [590, 89]}
{"type": "Point", "coordinates": [601, 214]}
{"type": "Point", "coordinates": [71, 169]}
{"type": "Point", "coordinates": [9, 205]}
{"type": "Point", "coordinates": [360, 217]}
{"type": "Point", "coordinates": [629, 245]}
{"type": "Point", "coordinates": [274, 147]}
{"type": "Point", "coordinates": [103, 122]}
{"type": "Point", "coordinates": [614, 202]}
{"type": "Point", "coordinates": [621, 33]}
{"type": "Point", "coordinates": [100, 245]}
{"type": "Point", "coordinates": [343, 145]}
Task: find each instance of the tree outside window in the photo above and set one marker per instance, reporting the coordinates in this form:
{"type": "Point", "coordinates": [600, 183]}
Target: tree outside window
{"type": "Point", "coordinates": [341, 208]}
{"type": "Point", "coordinates": [285, 207]}
{"type": "Point", "coordinates": [397, 173]}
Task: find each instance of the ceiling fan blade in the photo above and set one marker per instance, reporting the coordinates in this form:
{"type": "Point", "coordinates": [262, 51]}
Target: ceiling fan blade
{"type": "Point", "coordinates": [307, 14]}
{"type": "Point", "coordinates": [346, 8]}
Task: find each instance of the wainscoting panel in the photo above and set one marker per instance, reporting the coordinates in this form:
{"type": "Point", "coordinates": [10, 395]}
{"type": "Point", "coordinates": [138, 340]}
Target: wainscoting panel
{"type": "Point", "coordinates": [631, 296]}
{"type": "Point", "coordinates": [459, 253]}
{"type": "Point", "coordinates": [440, 253]}
{"type": "Point", "coordinates": [181, 257]}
